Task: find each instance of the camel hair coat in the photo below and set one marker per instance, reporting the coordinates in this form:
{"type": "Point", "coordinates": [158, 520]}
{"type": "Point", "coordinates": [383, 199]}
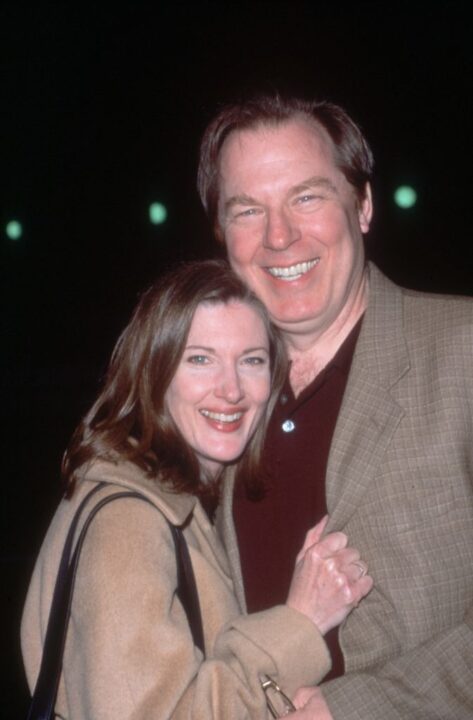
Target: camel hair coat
{"type": "Point", "coordinates": [129, 652]}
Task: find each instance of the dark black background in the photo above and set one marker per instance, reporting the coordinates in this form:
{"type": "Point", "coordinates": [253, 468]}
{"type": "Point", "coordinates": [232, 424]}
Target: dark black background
{"type": "Point", "coordinates": [102, 108]}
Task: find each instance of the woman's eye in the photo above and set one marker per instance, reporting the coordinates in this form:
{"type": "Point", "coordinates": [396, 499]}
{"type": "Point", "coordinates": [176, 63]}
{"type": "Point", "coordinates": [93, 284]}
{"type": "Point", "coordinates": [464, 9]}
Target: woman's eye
{"type": "Point", "coordinates": [255, 360]}
{"type": "Point", "coordinates": [198, 359]}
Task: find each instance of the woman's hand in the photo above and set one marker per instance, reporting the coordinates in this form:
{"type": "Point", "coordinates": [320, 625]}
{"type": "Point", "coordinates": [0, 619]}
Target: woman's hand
{"type": "Point", "coordinates": [329, 578]}
{"type": "Point", "coordinates": [311, 705]}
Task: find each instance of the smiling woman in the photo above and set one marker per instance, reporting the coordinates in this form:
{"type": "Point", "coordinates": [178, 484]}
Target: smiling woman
{"type": "Point", "coordinates": [222, 383]}
{"type": "Point", "coordinates": [198, 324]}
{"type": "Point", "coordinates": [191, 383]}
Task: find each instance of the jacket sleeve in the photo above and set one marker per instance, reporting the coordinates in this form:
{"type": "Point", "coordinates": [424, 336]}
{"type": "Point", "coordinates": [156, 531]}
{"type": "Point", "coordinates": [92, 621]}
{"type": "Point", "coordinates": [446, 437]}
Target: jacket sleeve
{"type": "Point", "coordinates": [432, 681]}
{"type": "Point", "coordinates": [421, 535]}
{"type": "Point", "coordinates": [129, 651]}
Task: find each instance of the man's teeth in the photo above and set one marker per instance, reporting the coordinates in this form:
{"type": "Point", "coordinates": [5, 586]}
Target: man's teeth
{"type": "Point", "coordinates": [221, 417]}
{"type": "Point", "coordinates": [294, 271]}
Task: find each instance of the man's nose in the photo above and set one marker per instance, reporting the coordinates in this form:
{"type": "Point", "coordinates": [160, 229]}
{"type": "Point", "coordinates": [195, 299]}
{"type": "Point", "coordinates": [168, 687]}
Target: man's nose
{"type": "Point", "coordinates": [280, 231]}
{"type": "Point", "coordinates": [229, 386]}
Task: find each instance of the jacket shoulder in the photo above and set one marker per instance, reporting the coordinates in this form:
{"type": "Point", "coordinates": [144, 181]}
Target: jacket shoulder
{"type": "Point", "coordinates": [425, 316]}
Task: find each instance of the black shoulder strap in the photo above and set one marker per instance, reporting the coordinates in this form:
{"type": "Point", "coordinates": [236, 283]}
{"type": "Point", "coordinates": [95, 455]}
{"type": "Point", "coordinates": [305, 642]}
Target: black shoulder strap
{"type": "Point", "coordinates": [44, 696]}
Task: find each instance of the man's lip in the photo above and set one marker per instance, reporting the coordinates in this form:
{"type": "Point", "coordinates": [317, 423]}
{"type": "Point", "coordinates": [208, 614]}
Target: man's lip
{"type": "Point", "coordinates": [292, 272]}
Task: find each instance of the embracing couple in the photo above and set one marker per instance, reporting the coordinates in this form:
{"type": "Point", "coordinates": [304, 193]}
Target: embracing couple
{"type": "Point", "coordinates": [246, 404]}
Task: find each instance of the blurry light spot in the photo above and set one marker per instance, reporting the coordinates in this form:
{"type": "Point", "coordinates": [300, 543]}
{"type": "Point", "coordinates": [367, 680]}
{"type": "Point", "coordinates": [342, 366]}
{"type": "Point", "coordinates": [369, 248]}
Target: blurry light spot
{"type": "Point", "coordinates": [157, 213]}
{"type": "Point", "coordinates": [14, 230]}
{"type": "Point", "coordinates": [405, 197]}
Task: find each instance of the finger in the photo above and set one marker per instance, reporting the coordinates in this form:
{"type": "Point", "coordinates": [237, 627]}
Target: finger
{"type": "Point", "coordinates": [361, 567]}
{"type": "Point", "coordinates": [331, 544]}
{"type": "Point", "coordinates": [346, 556]}
{"type": "Point", "coordinates": [303, 695]}
{"type": "Point", "coordinates": [355, 571]}
{"type": "Point", "coordinates": [313, 536]}
{"type": "Point", "coordinates": [361, 588]}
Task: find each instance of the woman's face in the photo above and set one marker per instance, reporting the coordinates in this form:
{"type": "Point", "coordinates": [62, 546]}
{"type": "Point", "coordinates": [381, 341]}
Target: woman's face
{"type": "Point", "coordinates": [222, 382]}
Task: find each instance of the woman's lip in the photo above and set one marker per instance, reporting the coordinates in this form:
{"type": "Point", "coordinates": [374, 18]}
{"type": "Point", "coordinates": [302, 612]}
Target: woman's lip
{"type": "Point", "coordinates": [223, 422]}
{"type": "Point", "coordinates": [222, 417]}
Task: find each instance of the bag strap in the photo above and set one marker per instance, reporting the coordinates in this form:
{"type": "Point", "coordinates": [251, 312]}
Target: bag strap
{"type": "Point", "coordinates": [44, 696]}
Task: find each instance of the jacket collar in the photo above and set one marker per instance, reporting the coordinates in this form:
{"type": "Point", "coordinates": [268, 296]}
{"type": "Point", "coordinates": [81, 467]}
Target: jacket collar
{"type": "Point", "coordinates": [381, 351]}
{"type": "Point", "coordinates": [370, 410]}
{"type": "Point", "coordinates": [367, 419]}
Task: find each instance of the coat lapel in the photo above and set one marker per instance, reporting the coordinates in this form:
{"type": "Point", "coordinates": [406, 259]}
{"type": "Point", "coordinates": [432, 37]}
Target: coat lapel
{"type": "Point", "coordinates": [226, 530]}
{"type": "Point", "coordinates": [369, 413]}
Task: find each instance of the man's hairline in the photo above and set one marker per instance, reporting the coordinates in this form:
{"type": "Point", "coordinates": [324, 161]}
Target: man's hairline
{"type": "Point", "coordinates": [297, 115]}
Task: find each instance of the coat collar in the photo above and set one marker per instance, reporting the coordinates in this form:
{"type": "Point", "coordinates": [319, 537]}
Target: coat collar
{"type": "Point", "coordinates": [226, 530]}
{"type": "Point", "coordinates": [176, 507]}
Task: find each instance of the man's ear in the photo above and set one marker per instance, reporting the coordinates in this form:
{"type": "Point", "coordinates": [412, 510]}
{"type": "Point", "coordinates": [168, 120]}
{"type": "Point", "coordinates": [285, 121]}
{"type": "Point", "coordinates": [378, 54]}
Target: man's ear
{"type": "Point", "coordinates": [365, 210]}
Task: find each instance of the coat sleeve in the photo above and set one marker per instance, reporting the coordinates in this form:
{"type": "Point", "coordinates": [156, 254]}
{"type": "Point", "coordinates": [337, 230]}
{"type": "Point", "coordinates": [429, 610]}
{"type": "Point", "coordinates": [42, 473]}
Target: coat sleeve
{"type": "Point", "coordinates": [129, 651]}
{"type": "Point", "coordinates": [432, 681]}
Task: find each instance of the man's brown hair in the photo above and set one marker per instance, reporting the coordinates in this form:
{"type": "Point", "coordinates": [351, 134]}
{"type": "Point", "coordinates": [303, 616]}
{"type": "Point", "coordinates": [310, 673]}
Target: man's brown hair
{"type": "Point", "coordinates": [352, 154]}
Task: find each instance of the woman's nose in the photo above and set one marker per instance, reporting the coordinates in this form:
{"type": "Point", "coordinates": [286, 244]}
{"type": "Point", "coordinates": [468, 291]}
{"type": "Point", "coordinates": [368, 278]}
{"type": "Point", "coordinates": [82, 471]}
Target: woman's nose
{"type": "Point", "coordinates": [230, 387]}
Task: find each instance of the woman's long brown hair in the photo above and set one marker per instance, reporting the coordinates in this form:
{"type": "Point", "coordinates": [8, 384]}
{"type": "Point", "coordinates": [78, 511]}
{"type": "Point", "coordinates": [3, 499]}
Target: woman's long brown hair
{"type": "Point", "coordinates": [129, 420]}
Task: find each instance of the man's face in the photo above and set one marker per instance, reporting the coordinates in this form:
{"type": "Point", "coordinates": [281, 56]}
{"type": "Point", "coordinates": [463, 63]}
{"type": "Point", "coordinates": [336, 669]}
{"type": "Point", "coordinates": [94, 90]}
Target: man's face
{"type": "Point", "coordinates": [292, 223]}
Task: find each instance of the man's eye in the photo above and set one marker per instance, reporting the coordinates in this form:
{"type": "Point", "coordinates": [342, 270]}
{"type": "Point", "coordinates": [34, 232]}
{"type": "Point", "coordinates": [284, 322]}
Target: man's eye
{"type": "Point", "coordinates": [246, 213]}
{"type": "Point", "coordinates": [307, 198]}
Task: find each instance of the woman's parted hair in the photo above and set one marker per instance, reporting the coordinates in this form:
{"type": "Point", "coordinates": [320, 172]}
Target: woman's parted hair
{"type": "Point", "coordinates": [352, 153]}
{"type": "Point", "coordinates": [129, 420]}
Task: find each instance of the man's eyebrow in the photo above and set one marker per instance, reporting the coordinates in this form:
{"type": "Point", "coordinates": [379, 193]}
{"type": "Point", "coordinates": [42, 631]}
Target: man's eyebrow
{"type": "Point", "coordinates": [316, 181]}
{"type": "Point", "coordinates": [239, 200]}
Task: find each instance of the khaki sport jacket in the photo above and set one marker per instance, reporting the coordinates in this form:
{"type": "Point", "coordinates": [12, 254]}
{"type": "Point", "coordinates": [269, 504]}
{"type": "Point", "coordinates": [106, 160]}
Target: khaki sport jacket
{"type": "Point", "coordinates": [400, 484]}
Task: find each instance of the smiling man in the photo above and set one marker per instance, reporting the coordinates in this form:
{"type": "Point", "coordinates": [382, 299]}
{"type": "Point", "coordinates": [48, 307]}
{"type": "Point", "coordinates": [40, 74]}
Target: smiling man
{"type": "Point", "coordinates": [374, 424]}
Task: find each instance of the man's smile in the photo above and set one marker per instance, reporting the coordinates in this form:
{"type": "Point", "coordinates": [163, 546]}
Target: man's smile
{"type": "Point", "coordinates": [292, 272]}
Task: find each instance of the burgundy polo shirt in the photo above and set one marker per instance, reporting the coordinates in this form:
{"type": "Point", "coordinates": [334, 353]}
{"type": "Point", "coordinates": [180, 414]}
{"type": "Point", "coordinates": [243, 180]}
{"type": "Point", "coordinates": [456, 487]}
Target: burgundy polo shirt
{"type": "Point", "coordinates": [271, 530]}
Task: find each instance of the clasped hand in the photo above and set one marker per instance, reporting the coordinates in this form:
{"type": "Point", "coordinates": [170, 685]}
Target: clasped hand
{"type": "Point", "coordinates": [329, 578]}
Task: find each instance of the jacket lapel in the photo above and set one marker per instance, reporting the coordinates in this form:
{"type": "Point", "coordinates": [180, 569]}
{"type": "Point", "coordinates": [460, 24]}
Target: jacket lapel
{"type": "Point", "coordinates": [369, 413]}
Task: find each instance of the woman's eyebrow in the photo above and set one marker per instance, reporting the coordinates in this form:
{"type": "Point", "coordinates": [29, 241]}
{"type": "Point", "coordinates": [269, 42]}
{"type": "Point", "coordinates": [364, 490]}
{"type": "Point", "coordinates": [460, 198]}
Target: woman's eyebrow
{"type": "Point", "coordinates": [200, 347]}
{"type": "Point", "coordinates": [260, 348]}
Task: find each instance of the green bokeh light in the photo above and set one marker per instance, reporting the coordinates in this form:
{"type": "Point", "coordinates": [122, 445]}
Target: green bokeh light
{"type": "Point", "coordinates": [14, 230]}
{"type": "Point", "coordinates": [157, 213]}
{"type": "Point", "coordinates": [405, 197]}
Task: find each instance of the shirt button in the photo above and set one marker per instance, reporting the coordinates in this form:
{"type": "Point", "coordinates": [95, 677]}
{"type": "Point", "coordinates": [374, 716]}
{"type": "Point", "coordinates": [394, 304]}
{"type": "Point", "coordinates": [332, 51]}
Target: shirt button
{"type": "Point", "coordinates": [283, 399]}
{"type": "Point", "coordinates": [288, 426]}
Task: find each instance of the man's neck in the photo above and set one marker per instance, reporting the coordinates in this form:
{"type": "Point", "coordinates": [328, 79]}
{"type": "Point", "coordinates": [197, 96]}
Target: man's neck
{"type": "Point", "coordinates": [310, 353]}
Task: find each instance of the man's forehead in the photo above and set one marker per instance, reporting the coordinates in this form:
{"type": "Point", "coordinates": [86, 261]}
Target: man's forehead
{"type": "Point", "coordinates": [296, 139]}
{"type": "Point", "coordinates": [241, 144]}
{"type": "Point", "coordinates": [267, 131]}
